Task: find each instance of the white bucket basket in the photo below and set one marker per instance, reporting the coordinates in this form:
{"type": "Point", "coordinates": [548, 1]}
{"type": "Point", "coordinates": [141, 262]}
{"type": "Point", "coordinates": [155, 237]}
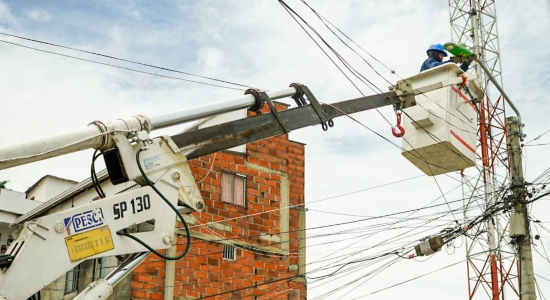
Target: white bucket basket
{"type": "Point", "coordinates": [441, 129]}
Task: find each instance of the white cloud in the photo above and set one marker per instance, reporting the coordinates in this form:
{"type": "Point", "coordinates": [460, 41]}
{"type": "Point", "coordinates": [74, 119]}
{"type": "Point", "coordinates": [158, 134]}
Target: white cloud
{"type": "Point", "coordinates": [39, 15]}
{"type": "Point", "coordinates": [210, 58]}
{"type": "Point", "coordinates": [6, 17]}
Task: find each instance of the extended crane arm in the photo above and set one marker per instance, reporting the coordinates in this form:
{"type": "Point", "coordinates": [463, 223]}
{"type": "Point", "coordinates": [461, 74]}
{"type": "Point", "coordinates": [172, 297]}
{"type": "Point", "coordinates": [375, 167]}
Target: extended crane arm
{"type": "Point", "coordinates": [97, 228]}
{"type": "Point", "coordinates": [227, 135]}
{"type": "Point", "coordinates": [99, 134]}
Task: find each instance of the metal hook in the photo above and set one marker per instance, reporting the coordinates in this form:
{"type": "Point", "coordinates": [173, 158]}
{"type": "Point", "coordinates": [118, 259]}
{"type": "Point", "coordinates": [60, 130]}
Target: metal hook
{"type": "Point", "coordinates": [464, 80]}
{"type": "Point", "coordinates": [401, 131]}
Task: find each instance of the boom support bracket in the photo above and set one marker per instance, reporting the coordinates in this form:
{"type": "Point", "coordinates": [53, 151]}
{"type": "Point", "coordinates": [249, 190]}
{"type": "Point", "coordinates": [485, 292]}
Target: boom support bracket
{"type": "Point", "coordinates": [261, 98]}
{"type": "Point", "coordinates": [302, 90]}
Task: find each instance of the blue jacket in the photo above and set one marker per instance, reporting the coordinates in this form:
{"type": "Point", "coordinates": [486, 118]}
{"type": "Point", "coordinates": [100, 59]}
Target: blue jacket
{"type": "Point", "coordinates": [431, 63]}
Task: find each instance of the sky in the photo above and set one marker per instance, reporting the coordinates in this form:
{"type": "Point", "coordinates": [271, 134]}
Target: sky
{"type": "Point", "coordinates": [353, 171]}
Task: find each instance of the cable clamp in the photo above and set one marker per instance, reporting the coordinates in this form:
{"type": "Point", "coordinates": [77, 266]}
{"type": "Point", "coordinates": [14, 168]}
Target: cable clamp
{"type": "Point", "coordinates": [259, 100]}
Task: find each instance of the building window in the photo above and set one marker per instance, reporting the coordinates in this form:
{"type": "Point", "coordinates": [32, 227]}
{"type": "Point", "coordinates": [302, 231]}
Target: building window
{"type": "Point", "coordinates": [229, 252]}
{"type": "Point", "coordinates": [233, 188]}
{"type": "Point", "coordinates": [71, 281]}
{"type": "Point", "coordinates": [100, 268]}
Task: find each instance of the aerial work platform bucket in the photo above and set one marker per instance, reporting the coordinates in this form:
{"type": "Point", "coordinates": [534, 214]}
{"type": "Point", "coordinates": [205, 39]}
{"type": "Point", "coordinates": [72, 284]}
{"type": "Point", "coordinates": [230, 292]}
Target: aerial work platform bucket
{"type": "Point", "coordinates": [441, 129]}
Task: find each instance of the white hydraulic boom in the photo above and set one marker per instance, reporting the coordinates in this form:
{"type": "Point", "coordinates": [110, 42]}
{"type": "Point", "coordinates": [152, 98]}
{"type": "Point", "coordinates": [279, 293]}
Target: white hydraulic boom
{"type": "Point", "coordinates": [49, 242]}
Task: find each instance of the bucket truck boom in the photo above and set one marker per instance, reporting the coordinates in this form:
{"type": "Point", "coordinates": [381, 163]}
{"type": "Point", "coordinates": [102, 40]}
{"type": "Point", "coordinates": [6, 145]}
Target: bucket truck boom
{"type": "Point", "coordinates": [49, 242]}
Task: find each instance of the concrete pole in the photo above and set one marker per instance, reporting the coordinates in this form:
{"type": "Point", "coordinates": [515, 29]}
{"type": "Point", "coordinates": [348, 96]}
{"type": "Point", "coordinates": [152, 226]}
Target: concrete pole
{"type": "Point", "coordinates": [519, 223]}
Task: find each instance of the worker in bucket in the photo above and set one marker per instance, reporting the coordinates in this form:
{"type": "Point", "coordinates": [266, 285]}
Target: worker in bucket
{"type": "Point", "coordinates": [436, 53]}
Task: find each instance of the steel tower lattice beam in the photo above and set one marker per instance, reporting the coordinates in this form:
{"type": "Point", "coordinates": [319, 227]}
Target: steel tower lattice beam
{"type": "Point", "coordinates": [491, 264]}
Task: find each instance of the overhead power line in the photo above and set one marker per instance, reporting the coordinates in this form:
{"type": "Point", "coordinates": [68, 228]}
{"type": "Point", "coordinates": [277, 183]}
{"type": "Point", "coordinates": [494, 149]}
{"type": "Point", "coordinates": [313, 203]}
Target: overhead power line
{"type": "Point", "coordinates": [244, 87]}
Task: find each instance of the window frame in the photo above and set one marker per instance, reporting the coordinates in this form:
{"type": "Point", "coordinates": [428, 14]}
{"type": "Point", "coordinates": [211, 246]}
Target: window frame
{"type": "Point", "coordinates": [71, 284]}
{"type": "Point", "coordinates": [236, 183]}
{"type": "Point", "coordinates": [229, 252]}
{"type": "Point", "coordinates": [100, 268]}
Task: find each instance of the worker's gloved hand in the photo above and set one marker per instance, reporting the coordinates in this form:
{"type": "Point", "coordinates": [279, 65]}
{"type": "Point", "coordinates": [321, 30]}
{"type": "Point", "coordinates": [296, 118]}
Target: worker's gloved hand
{"type": "Point", "coordinates": [470, 59]}
{"type": "Point", "coordinates": [457, 59]}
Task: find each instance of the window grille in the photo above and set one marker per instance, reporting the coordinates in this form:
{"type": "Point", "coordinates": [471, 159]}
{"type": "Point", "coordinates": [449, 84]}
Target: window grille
{"type": "Point", "coordinates": [100, 268]}
{"type": "Point", "coordinates": [229, 252]}
{"type": "Point", "coordinates": [71, 280]}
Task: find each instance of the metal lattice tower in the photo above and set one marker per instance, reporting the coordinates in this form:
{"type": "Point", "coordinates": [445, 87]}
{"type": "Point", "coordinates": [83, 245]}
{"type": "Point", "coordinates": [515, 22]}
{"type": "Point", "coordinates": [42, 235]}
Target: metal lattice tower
{"type": "Point", "coordinates": [491, 261]}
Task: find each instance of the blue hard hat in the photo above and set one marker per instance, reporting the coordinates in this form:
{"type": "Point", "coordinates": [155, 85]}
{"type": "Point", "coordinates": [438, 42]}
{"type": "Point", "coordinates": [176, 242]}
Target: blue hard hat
{"type": "Point", "coordinates": [437, 47]}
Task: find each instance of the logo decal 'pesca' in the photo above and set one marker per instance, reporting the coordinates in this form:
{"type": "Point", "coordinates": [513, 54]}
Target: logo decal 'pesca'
{"type": "Point", "coordinates": [84, 221]}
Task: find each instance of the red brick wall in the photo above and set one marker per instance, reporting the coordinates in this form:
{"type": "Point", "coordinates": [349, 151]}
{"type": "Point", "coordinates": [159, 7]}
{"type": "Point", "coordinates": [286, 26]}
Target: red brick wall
{"type": "Point", "coordinates": [255, 274]}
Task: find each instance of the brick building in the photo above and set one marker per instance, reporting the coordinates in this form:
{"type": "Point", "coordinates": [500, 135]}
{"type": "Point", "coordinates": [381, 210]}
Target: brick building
{"type": "Point", "coordinates": [249, 242]}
